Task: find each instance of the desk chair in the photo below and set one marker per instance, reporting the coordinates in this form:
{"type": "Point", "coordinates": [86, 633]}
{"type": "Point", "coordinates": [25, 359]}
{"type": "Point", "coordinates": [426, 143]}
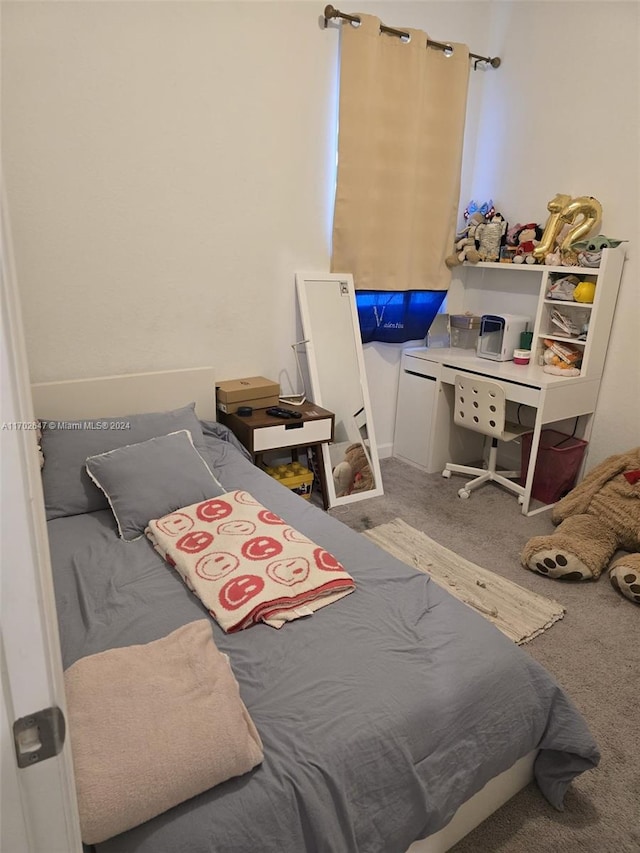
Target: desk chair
{"type": "Point", "coordinates": [480, 405]}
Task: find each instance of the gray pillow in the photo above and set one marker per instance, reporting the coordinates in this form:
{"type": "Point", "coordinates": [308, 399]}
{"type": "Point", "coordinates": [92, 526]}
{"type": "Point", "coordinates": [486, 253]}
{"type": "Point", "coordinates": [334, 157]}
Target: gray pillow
{"type": "Point", "coordinates": [222, 432]}
{"type": "Point", "coordinates": [151, 479]}
{"type": "Point", "coordinates": [67, 487]}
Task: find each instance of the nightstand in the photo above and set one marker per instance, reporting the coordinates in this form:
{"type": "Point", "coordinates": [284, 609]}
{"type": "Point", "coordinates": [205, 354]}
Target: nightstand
{"type": "Point", "coordinates": [261, 432]}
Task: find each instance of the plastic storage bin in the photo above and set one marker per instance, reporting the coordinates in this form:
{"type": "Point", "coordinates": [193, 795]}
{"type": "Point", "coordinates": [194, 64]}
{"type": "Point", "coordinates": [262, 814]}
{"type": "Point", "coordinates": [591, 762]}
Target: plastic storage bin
{"type": "Point", "coordinates": [464, 338]}
{"type": "Point", "coordinates": [557, 466]}
{"type": "Point", "coordinates": [464, 330]}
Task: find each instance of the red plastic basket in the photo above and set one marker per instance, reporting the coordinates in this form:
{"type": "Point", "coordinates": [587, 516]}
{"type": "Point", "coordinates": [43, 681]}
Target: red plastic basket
{"type": "Point", "coordinates": [557, 465]}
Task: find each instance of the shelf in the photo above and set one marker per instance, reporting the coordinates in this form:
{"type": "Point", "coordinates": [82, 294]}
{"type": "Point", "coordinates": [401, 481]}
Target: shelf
{"type": "Point", "coordinates": [540, 268]}
{"type": "Point", "coordinates": [582, 271]}
{"type": "Point", "coordinates": [570, 303]}
{"type": "Point", "coordinates": [496, 265]}
{"type": "Point", "coordinates": [562, 340]}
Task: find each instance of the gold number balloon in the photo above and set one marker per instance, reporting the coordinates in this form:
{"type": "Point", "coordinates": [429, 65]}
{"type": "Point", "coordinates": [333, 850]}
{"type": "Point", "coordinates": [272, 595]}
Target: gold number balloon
{"type": "Point", "coordinates": [552, 227]}
{"type": "Point", "coordinates": [591, 211]}
{"type": "Point", "coordinates": [564, 210]}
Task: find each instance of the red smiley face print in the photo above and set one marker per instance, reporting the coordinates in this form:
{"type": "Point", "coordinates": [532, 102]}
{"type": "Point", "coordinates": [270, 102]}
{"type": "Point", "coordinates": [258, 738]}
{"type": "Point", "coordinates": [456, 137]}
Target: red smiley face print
{"type": "Point", "coordinates": [268, 517]}
{"type": "Point", "coordinates": [289, 572]}
{"type": "Point", "coordinates": [175, 524]}
{"type": "Point", "coordinates": [214, 566]}
{"type": "Point", "coordinates": [293, 535]}
{"type": "Point", "coordinates": [326, 561]}
{"type": "Point", "coordinates": [261, 548]}
{"type": "Point", "coordinates": [241, 527]}
{"type": "Point", "coordinates": [195, 541]}
{"type": "Point", "coordinates": [245, 499]}
{"type": "Point", "coordinates": [240, 590]}
{"type": "Point", "coordinates": [213, 510]}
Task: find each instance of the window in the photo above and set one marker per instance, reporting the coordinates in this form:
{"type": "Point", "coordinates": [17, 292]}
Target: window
{"type": "Point", "coordinates": [394, 317]}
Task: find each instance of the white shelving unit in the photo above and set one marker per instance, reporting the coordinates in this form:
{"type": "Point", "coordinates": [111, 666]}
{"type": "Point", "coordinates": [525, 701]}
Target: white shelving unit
{"type": "Point", "coordinates": [598, 315]}
{"type": "Point", "coordinates": [502, 278]}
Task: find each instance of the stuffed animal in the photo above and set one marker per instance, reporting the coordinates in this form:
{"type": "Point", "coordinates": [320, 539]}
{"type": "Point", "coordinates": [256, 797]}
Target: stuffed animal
{"type": "Point", "coordinates": [353, 474]}
{"type": "Point", "coordinates": [526, 241]}
{"type": "Point", "coordinates": [512, 234]}
{"type": "Point", "coordinates": [598, 517]}
{"type": "Point", "coordinates": [490, 237]}
{"type": "Point", "coordinates": [465, 245]}
{"type": "Point", "coordinates": [486, 209]}
{"type": "Point", "coordinates": [590, 251]}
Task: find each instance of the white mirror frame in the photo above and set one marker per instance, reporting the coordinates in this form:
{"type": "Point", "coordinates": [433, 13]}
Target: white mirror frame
{"type": "Point", "coordinates": [309, 332]}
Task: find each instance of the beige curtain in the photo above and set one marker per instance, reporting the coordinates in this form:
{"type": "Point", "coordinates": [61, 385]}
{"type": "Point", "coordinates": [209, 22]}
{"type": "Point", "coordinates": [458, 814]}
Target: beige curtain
{"type": "Point", "coordinates": [401, 124]}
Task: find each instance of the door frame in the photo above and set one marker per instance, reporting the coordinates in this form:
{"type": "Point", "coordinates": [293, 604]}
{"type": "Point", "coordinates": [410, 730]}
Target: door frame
{"type": "Point", "coordinates": [32, 674]}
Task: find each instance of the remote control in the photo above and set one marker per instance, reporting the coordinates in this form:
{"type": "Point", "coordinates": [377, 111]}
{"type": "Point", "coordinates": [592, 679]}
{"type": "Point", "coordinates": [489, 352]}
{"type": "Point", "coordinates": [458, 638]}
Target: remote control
{"type": "Point", "coordinates": [278, 412]}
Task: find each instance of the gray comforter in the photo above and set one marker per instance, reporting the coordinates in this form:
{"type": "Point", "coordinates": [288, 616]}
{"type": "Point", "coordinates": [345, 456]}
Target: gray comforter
{"type": "Point", "coordinates": [379, 715]}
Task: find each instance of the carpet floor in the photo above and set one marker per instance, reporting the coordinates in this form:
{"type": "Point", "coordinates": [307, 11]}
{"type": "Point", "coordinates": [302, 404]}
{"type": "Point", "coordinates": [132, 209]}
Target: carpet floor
{"type": "Point", "coordinates": [593, 652]}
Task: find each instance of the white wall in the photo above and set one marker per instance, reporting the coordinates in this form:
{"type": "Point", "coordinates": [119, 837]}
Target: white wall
{"type": "Point", "coordinates": [562, 115]}
{"type": "Point", "coordinates": [169, 167]}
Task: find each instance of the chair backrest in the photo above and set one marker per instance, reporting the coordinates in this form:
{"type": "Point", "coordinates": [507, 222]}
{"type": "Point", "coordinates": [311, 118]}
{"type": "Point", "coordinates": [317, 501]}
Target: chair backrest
{"type": "Point", "coordinates": [480, 406]}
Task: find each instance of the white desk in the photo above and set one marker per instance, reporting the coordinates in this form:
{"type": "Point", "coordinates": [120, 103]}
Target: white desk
{"type": "Point", "coordinates": [428, 418]}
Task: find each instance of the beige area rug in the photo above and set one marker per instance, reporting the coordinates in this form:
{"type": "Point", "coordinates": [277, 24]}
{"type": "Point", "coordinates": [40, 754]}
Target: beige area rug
{"type": "Point", "coordinates": [517, 612]}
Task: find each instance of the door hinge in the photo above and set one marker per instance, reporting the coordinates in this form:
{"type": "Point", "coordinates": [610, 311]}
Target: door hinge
{"type": "Point", "coordinates": [39, 736]}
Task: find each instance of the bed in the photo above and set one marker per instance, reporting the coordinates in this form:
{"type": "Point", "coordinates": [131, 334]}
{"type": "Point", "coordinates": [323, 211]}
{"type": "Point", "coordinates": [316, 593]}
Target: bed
{"type": "Point", "coordinates": [392, 720]}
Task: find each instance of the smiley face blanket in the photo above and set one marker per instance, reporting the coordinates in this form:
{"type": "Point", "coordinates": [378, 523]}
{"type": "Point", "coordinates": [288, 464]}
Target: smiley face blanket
{"type": "Point", "coordinates": [246, 564]}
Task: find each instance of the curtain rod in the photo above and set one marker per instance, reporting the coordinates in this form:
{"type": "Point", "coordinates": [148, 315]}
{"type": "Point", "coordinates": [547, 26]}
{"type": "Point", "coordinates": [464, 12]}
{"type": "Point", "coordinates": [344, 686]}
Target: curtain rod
{"type": "Point", "coordinates": [331, 12]}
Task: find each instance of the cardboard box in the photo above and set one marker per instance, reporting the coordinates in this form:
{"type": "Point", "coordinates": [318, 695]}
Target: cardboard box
{"type": "Point", "coordinates": [254, 391]}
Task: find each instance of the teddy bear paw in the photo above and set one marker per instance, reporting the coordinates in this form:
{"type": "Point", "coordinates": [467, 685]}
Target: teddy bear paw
{"type": "Point", "coordinates": [626, 580]}
{"type": "Point", "coordinates": [558, 564]}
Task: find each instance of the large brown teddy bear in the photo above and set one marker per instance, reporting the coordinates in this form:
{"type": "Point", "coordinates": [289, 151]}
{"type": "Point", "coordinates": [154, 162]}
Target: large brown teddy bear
{"type": "Point", "coordinates": [353, 474]}
{"type": "Point", "coordinates": [598, 517]}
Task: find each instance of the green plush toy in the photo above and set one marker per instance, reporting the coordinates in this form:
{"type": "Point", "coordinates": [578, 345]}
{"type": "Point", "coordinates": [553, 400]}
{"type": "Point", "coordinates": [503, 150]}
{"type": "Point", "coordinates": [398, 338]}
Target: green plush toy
{"type": "Point", "coordinates": [590, 251]}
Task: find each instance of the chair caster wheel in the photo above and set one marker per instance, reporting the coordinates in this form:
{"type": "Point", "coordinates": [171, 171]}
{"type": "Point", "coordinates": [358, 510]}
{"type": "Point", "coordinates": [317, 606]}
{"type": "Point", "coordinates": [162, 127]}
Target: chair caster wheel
{"type": "Point", "coordinates": [520, 499]}
{"type": "Point", "coordinates": [464, 494]}
{"type": "Point", "coordinates": [446, 473]}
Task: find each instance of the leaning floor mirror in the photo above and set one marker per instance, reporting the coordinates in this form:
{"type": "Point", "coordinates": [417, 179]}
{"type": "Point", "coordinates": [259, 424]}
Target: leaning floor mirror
{"type": "Point", "coordinates": [339, 383]}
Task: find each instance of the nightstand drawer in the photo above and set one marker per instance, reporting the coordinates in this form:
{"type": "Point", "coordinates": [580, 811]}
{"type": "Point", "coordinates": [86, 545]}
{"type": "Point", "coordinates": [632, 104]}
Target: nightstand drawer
{"type": "Point", "coordinates": [292, 434]}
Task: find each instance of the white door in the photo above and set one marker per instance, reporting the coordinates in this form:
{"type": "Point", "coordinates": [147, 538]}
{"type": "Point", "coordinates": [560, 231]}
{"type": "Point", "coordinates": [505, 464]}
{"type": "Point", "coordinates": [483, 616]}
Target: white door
{"type": "Point", "coordinates": [39, 811]}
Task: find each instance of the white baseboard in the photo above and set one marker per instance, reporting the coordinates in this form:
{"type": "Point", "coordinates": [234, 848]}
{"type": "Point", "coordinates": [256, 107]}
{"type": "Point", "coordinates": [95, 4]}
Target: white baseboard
{"type": "Point", "coordinates": [385, 450]}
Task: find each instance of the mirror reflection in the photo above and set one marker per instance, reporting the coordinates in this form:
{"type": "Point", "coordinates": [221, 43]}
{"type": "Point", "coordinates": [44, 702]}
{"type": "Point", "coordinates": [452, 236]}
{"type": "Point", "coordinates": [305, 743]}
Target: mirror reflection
{"type": "Point", "coordinates": [338, 383]}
